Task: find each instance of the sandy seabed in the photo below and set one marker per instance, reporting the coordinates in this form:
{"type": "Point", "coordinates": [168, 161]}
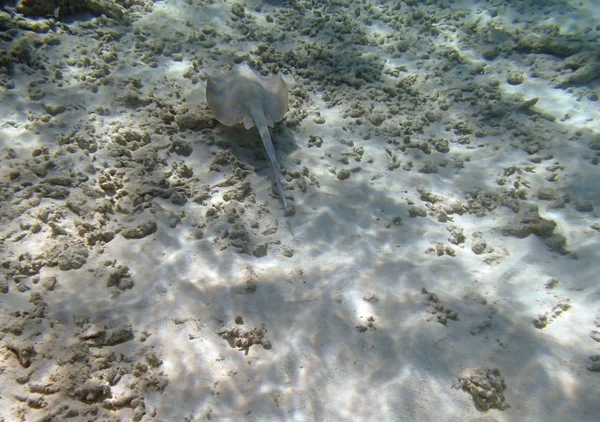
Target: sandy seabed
{"type": "Point", "coordinates": [438, 260]}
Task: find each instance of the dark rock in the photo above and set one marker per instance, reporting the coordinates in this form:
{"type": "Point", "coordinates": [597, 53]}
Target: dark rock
{"type": "Point", "coordinates": [140, 231]}
{"type": "Point", "coordinates": [528, 222]}
{"type": "Point", "coordinates": [343, 174]}
{"type": "Point", "coordinates": [24, 352]}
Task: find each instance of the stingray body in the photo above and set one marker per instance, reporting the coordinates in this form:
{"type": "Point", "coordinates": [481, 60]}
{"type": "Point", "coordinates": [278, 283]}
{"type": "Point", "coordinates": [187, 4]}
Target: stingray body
{"type": "Point", "coordinates": [242, 95]}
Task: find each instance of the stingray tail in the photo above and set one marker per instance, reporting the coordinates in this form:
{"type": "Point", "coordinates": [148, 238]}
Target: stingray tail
{"type": "Point", "coordinates": [263, 129]}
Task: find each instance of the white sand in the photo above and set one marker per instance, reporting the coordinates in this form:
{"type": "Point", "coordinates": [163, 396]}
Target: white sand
{"type": "Point", "coordinates": [350, 260]}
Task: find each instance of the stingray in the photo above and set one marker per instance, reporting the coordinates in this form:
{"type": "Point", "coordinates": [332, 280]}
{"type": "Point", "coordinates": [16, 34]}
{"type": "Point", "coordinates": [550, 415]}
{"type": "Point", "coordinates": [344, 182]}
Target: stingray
{"type": "Point", "coordinates": [242, 95]}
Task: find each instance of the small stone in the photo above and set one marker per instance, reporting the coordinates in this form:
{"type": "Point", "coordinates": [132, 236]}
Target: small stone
{"type": "Point", "coordinates": [72, 258]}
{"type": "Point", "coordinates": [54, 109]}
{"type": "Point", "coordinates": [49, 283]}
{"type": "Point", "coordinates": [529, 222]}
{"type": "Point", "coordinates": [23, 351]}
{"type": "Point", "coordinates": [453, 315]}
{"type": "Point", "coordinates": [415, 211]}
{"type": "Point", "coordinates": [153, 359]}
{"type": "Point", "coordinates": [343, 174]}
{"type": "Point", "coordinates": [33, 402]}
{"type": "Point", "coordinates": [120, 278]}
{"type": "Point", "coordinates": [140, 231]}
{"type": "Point", "coordinates": [515, 78]}
{"type": "Point", "coordinates": [430, 251]}
{"type": "Point", "coordinates": [594, 367]}
{"type": "Point", "coordinates": [450, 250]}
{"type": "Point", "coordinates": [178, 198]}
{"type": "Point", "coordinates": [479, 247]}
{"type": "Point", "coordinates": [557, 243]}
{"type": "Point", "coordinates": [181, 147]}
{"type": "Point", "coordinates": [584, 206]}
{"type": "Point", "coordinates": [442, 145]}
{"type": "Point", "coordinates": [90, 390]}
{"type": "Point", "coordinates": [595, 144]}
{"type": "Point", "coordinates": [439, 249]}
{"type": "Point", "coordinates": [315, 141]}
{"type": "Point", "coordinates": [485, 385]}
{"type": "Point", "coordinates": [371, 298]}
{"type": "Point", "coordinates": [260, 250]}
{"type": "Point", "coordinates": [376, 119]}
{"type": "Point", "coordinates": [3, 284]}
{"type": "Point", "coordinates": [174, 221]}
{"type": "Point", "coordinates": [287, 252]}
{"type": "Point", "coordinates": [546, 194]}
{"type": "Point", "coordinates": [22, 287]}
{"type": "Point", "coordinates": [118, 335]}
{"type": "Point", "coordinates": [457, 236]}
{"type": "Point", "coordinates": [428, 168]}
{"type": "Point", "coordinates": [540, 322]}
{"type": "Point", "coordinates": [238, 10]}
{"type": "Point", "coordinates": [93, 331]}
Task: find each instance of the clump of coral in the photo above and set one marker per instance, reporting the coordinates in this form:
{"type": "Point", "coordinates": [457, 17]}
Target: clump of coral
{"type": "Point", "coordinates": [244, 339]}
{"type": "Point", "coordinates": [485, 385]}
